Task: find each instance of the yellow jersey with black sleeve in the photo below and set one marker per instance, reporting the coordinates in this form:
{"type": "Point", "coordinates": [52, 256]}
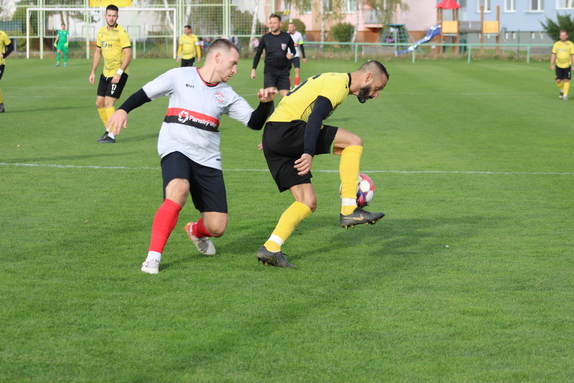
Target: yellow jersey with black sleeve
{"type": "Point", "coordinates": [563, 51]}
{"type": "Point", "coordinates": [4, 41]}
{"type": "Point", "coordinates": [189, 47]}
{"type": "Point", "coordinates": [298, 104]}
{"type": "Point", "coordinates": [113, 41]}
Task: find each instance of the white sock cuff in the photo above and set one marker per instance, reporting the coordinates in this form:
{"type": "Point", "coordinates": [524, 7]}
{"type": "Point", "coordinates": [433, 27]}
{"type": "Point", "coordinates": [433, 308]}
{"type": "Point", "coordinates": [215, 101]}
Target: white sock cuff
{"type": "Point", "coordinates": [153, 255]}
{"type": "Point", "coordinates": [349, 202]}
{"type": "Point", "coordinates": [276, 239]}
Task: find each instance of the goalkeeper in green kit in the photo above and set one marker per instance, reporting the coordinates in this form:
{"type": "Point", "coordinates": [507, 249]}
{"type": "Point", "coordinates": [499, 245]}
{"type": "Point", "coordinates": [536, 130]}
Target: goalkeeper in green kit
{"type": "Point", "coordinates": [61, 45]}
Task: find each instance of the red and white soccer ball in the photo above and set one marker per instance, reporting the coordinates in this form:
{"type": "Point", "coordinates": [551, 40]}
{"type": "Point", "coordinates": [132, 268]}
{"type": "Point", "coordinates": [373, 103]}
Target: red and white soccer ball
{"type": "Point", "coordinates": [365, 190]}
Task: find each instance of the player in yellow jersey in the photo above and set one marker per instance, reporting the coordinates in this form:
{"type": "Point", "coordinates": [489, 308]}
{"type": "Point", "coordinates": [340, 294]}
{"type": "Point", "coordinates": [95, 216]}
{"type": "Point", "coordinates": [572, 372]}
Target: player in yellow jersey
{"type": "Point", "coordinates": [189, 48]}
{"type": "Point", "coordinates": [113, 43]}
{"type": "Point", "coordinates": [6, 47]}
{"type": "Point", "coordinates": [295, 134]}
{"type": "Point", "coordinates": [561, 62]}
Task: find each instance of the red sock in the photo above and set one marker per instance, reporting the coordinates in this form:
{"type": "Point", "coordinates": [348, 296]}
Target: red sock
{"type": "Point", "coordinates": [297, 79]}
{"type": "Point", "coordinates": [198, 229]}
{"type": "Point", "coordinates": [163, 224]}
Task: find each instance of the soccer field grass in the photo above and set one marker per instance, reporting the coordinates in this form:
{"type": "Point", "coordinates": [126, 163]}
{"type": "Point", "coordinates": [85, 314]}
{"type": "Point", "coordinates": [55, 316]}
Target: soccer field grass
{"type": "Point", "coordinates": [467, 279]}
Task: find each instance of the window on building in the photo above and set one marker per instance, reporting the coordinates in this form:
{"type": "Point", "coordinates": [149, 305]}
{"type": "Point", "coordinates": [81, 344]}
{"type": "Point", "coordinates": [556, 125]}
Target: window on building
{"type": "Point", "coordinates": [564, 4]}
{"type": "Point", "coordinates": [537, 5]}
{"type": "Point", "coordinates": [349, 6]}
{"type": "Point", "coordinates": [486, 4]}
{"type": "Point", "coordinates": [509, 5]}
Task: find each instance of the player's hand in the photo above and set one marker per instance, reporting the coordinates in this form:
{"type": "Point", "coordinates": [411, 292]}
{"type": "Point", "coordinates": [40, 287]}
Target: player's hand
{"type": "Point", "coordinates": [266, 95]}
{"type": "Point", "coordinates": [552, 66]}
{"type": "Point", "coordinates": [55, 45]}
{"type": "Point", "coordinates": [260, 146]}
{"type": "Point", "coordinates": [117, 121]}
{"type": "Point", "coordinates": [65, 45]}
{"type": "Point", "coordinates": [116, 78]}
{"type": "Point", "coordinates": [304, 164]}
{"type": "Point", "coordinates": [289, 56]}
{"type": "Point", "coordinates": [177, 59]}
{"type": "Point", "coordinates": [253, 72]}
{"type": "Point", "coordinates": [198, 60]}
{"type": "Point", "coordinates": [92, 78]}
{"type": "Point", "coordinates": [304, 61]}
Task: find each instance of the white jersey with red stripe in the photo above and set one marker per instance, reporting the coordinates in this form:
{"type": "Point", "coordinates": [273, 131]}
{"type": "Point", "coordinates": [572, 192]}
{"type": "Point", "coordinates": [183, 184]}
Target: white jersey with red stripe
{"type": "Point", "coordinates": [191, 124]}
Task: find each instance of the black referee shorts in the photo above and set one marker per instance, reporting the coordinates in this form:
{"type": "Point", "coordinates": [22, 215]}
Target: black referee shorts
{"type": "Point", "coordinates": [283, 144]}
{"type": "Point", "coordinates": [276, 78]}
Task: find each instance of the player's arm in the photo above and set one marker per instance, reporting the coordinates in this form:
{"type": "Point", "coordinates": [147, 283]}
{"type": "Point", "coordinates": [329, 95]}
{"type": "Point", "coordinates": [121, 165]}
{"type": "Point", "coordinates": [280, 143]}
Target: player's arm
{"type": "Point", "coordinates": [123, 66]}
{"type": "Point", "coordinates": [179, 49]}
{"type": "Point", "coordinates": [95, 63]}
{"type": "Point", "coordinates": [320, 112]}
{"type": "Point", "coordinates": [119, 119]}
{"type": "Point", "coordinates": [291, 47]}
{"type": "Point", "coordinates": [261, 114]}
{"type": "Point", "coordinates": [302, 49]}
{"type": "Point", "coordinates": [9, 48]}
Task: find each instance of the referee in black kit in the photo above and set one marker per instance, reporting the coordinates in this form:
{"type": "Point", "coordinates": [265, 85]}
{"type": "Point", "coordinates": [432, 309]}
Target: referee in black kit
{"type": "Point", "coordinates": [276, 44]}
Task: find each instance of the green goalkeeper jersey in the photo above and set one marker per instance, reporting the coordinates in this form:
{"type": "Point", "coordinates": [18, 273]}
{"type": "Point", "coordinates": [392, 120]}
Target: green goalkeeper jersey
{"type": "Point", "coordinates": [63, 37]}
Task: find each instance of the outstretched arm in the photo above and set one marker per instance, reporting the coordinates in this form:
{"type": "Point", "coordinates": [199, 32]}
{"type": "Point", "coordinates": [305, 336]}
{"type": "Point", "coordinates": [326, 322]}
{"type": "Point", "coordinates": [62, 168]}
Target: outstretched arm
{"type": "Point", "coordinates": [261, 114]}
{"type": "Point", "coordinates": [119, 119]}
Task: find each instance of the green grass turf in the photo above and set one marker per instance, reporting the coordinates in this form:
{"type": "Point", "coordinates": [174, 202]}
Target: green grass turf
{"type": "Point", "coordinates": [467, 279]}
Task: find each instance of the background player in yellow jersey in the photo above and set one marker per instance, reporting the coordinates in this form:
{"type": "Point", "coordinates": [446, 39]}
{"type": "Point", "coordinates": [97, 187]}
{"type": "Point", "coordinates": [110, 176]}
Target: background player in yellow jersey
{"type": "Point", "coordinates": [113, 43]}
{"type": "Point", "coordinates": [6, 47]}
{"type": "Point", "coordinates": [189, 48]}
{"type": "Point", "coordinates": [561, 62]}
{"type": "Point", "coordinates": [295, 133]}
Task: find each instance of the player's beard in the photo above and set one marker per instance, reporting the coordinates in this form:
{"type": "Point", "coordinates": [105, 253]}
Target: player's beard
{"type": "Point", "coordinates": [364, 92]}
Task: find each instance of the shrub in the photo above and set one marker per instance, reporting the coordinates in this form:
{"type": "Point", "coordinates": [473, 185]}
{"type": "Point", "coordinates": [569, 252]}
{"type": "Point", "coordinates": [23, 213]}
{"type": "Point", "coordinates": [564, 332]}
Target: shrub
{"type": "Point", "coordinates": [342, 32]}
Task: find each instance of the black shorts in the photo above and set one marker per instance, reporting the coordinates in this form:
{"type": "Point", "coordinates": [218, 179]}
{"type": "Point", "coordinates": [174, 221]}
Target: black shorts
{"type": "Point", "coordinates": [294, 62]}
{"type": "Point", "coordinates": [283, 144]}
{"type": "Point", "coordinates": [107, 89]}
{"type": "Point", "coordinates": [2, 67]}
{"type": "Point", "coordinates": [563, 73]}
{"type": "Point", "coordinates": [276, 78]}
{"type": "Point", "coordinates": [206, 184]}
{"type": "Point", "coordinates": [189, 62]}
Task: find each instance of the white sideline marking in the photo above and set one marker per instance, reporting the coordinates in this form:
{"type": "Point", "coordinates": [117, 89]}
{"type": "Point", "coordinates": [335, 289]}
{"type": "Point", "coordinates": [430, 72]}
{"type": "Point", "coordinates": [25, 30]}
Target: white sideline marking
{"type": "Point", "coordinates": [316, 171]}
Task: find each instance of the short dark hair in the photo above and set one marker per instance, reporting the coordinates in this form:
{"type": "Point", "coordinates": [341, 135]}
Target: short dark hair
{"type": "Point", "coordinates": [275, 15]}
{"type": "Point", "coordinates": [187, 26]}
{"type": "Point", "coordinates": [112, 7]}
{"type": "Point", "coordinates": [374, 65]}
{"type": "Point", "coordinates": [221, 43]}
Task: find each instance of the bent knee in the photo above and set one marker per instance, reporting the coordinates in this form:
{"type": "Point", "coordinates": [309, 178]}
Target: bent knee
{"type": "Point", "coordinates": [216, 231]}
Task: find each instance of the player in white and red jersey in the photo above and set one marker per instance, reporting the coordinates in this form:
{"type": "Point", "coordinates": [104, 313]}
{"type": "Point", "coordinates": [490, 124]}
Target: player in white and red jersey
{"type": "Point", "coordinates": [189, 141]}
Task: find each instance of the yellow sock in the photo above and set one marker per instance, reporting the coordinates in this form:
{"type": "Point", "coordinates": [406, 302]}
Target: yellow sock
{"type": "Point", "coordinates": [109, 112]}
{"type": "Point", "coordinates": [288, 222]}
{"type": "Point", "coordinates": [560, 85]}
{"type": "Point", "coordinates": [566, 88]}
{"type": "Point", "coordinates": [103, 115]}
{"type": "Point", "coordinates": [1, 100]}
{"type": "Point", "coordinates": [349, 174]}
